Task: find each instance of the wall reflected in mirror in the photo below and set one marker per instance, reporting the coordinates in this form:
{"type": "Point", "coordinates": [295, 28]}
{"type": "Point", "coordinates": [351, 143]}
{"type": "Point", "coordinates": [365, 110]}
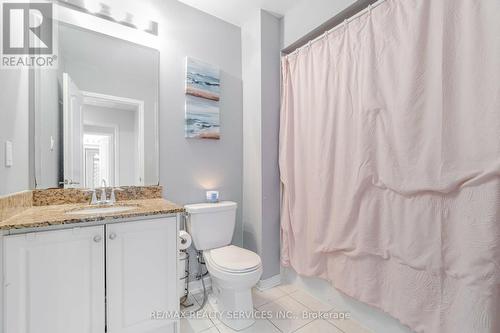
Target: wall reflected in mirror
{"type": "Point", "coordinates": [96, 116]}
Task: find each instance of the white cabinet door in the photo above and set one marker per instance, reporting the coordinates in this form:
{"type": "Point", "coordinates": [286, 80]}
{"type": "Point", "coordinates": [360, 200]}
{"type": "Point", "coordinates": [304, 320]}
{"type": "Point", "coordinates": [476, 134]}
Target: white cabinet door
{"type": "Point", "coordinates": [54, 282]}
{"type": "Point", "coordinates": [141, 274]}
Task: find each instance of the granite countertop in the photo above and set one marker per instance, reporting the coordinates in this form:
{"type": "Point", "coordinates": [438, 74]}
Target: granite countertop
{"type": "Point", "coordinates": [43, 216]}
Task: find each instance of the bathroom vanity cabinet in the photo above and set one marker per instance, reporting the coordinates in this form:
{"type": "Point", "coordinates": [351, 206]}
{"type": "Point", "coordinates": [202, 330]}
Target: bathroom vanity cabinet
{"type": "Point", "coordinates": [97, 278]}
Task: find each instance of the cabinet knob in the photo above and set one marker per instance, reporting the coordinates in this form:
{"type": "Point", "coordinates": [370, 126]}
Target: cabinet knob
{"type": "Point", "coordinates": [97, 238]}
{"type": "Point", "coordinates": [112, 236]}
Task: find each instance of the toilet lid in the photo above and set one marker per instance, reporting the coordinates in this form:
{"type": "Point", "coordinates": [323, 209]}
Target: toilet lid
{"type": "Point", "coordinates": [234, 259]}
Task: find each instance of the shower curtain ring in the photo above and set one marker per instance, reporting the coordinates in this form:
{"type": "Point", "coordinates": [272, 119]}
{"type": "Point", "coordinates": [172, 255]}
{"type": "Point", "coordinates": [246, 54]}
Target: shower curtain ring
{"type": "Point", "coordinates": [370, 9]}
{"type": "Point", "coordinates": [345, 24]}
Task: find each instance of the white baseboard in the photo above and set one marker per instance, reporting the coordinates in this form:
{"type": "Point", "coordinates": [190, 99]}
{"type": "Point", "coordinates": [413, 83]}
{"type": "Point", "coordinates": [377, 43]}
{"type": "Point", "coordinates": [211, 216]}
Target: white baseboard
{"type": "Point", "coordinates": [269, 283]}
{"type": "Point", "coordinates": [195, 286]}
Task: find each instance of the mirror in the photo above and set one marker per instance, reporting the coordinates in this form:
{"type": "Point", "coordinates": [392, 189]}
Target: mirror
{"type": "Point", "coordinates": [96, 115]}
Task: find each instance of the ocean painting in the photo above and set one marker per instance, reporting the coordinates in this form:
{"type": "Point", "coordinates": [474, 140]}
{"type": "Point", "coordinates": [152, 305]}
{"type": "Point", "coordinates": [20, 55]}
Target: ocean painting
{"type": "Point", "coordinates": [202, 79]}
{"type": "Point", "coordinates": [202, 118]}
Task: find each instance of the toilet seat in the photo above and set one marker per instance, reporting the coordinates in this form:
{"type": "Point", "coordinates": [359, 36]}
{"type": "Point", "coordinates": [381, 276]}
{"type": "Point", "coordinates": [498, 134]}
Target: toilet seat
{"type": "Point", "coordinates": [233, 259]}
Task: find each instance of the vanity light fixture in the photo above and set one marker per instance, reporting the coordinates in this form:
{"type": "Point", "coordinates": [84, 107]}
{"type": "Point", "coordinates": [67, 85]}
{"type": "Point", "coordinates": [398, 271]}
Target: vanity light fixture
{"type": "Point", "coordinates": [102, 10]}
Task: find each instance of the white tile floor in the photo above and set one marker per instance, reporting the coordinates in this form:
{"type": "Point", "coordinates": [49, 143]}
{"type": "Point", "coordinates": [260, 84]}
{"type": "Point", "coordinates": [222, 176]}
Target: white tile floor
{"type": "Point", "coordinates": [286, 298]}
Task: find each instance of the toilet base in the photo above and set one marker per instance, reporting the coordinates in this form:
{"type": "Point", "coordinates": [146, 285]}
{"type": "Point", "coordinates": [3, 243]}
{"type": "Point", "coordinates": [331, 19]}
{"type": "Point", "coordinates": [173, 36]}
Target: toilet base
{"type": "Point", "coordinates": [234, 307]}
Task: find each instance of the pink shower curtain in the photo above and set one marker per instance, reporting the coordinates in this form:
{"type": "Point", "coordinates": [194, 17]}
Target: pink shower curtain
{"type": "Point", "coordinates": [390, 162]}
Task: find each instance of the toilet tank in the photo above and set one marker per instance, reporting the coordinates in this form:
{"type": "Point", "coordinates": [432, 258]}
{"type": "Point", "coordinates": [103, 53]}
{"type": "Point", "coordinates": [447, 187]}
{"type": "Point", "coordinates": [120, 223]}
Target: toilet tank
{"type": "Point", "coordinates": [211, 225]}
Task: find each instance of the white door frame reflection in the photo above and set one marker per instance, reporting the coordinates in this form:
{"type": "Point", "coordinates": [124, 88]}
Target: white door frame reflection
{"type": "Point", "coordinates": [75, 126]}
{"type": "Point", "coordinates": [104, 140]}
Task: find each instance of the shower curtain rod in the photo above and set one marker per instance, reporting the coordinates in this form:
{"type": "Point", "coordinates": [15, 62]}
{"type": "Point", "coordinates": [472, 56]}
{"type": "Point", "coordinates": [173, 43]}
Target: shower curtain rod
{"type": "Point", "coordinates": [355, 10]}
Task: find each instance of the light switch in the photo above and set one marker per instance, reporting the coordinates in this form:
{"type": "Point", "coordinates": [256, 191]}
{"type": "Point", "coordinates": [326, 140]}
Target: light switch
{"type": "Point", "coordinates": [8, 154]}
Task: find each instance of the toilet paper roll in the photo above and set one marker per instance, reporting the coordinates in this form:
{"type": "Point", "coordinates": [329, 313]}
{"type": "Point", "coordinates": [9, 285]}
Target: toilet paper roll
{"type": "Point", "coordinates": [185, 240]}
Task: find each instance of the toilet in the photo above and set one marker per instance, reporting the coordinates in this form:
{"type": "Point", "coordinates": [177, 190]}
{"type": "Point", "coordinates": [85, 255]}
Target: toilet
{"type": "Point", "coordinates": [234, 271]}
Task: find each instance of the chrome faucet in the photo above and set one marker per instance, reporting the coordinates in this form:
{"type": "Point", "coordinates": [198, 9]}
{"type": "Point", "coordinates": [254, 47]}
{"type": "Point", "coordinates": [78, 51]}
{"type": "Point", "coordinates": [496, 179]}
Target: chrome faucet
{"type": "Point", "coordinates": [93, 199]}
{"type": "Point", "coordinates": [103, 199]}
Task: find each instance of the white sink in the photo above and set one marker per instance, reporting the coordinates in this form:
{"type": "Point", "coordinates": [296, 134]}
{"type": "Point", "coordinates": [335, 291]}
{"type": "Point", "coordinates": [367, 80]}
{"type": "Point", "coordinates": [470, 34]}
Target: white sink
{"type": "Point", "coordinates": [101, 210]}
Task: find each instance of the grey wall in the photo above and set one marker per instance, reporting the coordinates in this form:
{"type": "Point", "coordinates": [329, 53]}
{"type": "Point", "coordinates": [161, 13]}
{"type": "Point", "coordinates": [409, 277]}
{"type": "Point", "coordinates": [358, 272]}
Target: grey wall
{"type": "Point", "coordinates": [261, 187]}
{"type": "Point", "coordinates": [188, 167]}
{"type": "Point", "coordinates": [14, 126]}
{"type": "Point", "coordinates": [252, 142]}
{"type": "Point", "coordinates": [307, 15]}
{"type": "Point", "coordinates": [270, 61]}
